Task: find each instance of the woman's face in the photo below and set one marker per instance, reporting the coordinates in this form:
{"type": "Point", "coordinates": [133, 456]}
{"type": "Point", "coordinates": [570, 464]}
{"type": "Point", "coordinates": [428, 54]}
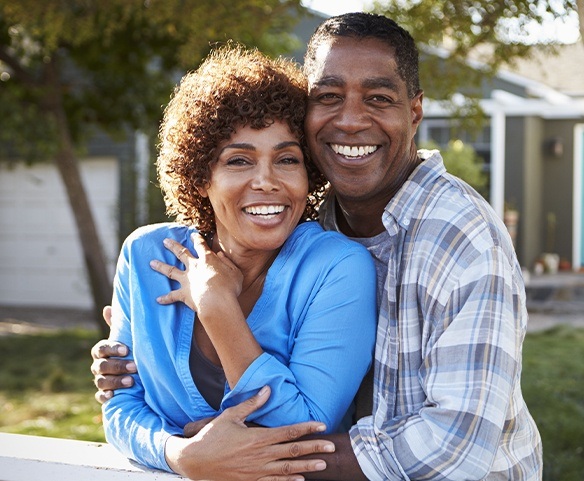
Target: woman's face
{"type": "Point", "coordinates": [258, 188]}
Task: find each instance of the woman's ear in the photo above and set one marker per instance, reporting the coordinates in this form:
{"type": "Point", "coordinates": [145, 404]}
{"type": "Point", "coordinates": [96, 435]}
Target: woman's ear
{"type": "Point", "coordinates": [202, 190]}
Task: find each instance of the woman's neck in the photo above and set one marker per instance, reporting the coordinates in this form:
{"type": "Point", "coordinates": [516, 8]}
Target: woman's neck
{"type": "Point", "coordinates": [254, 265]}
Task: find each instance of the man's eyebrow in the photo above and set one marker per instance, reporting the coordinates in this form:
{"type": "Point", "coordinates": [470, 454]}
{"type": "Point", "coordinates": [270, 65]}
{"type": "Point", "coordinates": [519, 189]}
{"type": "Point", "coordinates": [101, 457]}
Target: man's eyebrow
{"type": "Point", "coordinates": [380, 82]}
{"type": "Point", "coordinates": [328, 82]}
{"type": "Point", "coordinates": [368, 83]}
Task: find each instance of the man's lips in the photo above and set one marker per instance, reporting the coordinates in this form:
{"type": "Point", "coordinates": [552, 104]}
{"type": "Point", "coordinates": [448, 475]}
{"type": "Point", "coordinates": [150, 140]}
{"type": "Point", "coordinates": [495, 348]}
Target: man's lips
{"type": "Point", "coordinates": [355, 151]}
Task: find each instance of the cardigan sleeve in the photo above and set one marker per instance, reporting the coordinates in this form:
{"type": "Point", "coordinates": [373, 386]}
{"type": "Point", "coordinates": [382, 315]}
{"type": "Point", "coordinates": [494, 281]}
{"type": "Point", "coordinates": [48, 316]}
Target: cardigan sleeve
{"type": "Point", "coordinates": [130, 425]}
{"type": "Point", "coordinates": [331, 352]}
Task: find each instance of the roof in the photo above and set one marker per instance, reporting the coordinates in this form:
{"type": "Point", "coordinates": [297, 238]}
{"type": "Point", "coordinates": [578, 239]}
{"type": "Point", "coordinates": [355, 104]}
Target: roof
{"type": "Point", "coordinates": [563, 72]}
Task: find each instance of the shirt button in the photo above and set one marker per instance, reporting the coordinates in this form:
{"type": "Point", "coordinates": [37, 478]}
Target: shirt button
{"type": "Point", "coordinates": [406, 221]}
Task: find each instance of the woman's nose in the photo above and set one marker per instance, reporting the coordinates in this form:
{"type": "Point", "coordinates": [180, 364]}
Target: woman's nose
{"type": "Point", "coordinates": [265, 178]}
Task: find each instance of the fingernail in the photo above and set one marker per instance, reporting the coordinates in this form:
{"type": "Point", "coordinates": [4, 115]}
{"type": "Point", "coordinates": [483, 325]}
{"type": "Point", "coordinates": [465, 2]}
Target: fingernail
{"type": "Point", "coordinates": [166, 242]}
{"type": "Point", "coordinates": [126, 381]}
{"type": "Point", "coordinates": [108, 394]}
{"type": "Point", "coordinates": [153, 264]}
{"type": "Point", "coordinates": [320, 466]}
{"type": "Point", "coordinates": [329, 448]}
{"type": "Point", "coordinates": [131, 366]}
{"type": "Point", "coordinates": [320, 428]}
{"type": "Point", "coordinates": [263, 391]}
{"type": "Point", "coordinates": [122, 351]}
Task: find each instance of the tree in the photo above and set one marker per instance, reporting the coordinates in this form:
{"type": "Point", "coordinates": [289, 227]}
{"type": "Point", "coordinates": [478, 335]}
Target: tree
{"type": "Point", "coordinates": [68, 69]}
{"type": "Point", "coordinates": [493, 33]}
{"type": "Point", "coordinates": [580, 8]}
{"type": "Point", "coordinates": [461, 160]}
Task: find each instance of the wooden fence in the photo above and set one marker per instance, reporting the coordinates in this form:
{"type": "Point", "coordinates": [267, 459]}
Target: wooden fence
{"type": "Point", "coordinates": [32, 458]}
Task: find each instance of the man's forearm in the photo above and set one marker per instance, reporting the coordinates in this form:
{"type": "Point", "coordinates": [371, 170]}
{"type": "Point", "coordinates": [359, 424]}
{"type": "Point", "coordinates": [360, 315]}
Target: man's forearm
{"type": "Point", "coordinates": [341, 465]}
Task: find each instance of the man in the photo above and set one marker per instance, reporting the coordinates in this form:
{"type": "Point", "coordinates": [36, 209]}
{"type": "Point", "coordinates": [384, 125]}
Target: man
{"type": "Point", "coordinates": [447, 400]}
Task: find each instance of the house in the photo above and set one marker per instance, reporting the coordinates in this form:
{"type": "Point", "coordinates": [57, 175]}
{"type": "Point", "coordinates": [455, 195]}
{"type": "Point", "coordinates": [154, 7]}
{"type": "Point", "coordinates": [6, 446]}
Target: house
{"type": "Point", "coordinates": [40, 256]}
{"type": "Point", "coordinates": [533, 145]}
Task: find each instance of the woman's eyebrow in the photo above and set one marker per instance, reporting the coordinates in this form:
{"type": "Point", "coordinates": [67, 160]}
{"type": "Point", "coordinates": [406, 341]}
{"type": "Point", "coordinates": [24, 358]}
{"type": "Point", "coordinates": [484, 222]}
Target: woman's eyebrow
{"type": "Point", "coordinates": [251, 147]}
{"type": "Point", "coordinates": [286, 144]}
{"type": "Point", "coordinates": [239, 145]}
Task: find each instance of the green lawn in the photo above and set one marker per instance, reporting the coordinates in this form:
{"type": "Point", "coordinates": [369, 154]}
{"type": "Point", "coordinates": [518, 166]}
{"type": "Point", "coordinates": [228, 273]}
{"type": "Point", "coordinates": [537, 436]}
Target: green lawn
{"type": "Point", "coordinates": [553, 387]}
{"type": "Point", "coordinates": [46, 387]}
{"type": "Point", "coordinates": [46, 390]}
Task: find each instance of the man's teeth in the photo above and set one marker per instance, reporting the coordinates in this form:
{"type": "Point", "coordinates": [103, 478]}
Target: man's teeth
{"type": "Point", "coordinates": [264, 209]}
{"type": "Point", "coordinates": [354, 151]}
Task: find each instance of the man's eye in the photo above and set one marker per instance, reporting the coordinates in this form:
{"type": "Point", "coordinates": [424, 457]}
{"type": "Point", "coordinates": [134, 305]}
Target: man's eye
{"type": "Point", "coordinates": [328, 98]}
{"type": "Point", "coordinates": [382, 99]}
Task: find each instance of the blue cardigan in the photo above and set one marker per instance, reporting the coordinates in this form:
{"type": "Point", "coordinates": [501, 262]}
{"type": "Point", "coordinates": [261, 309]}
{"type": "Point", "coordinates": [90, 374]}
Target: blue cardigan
{"type": "Point", "coordinates": [315, 320]}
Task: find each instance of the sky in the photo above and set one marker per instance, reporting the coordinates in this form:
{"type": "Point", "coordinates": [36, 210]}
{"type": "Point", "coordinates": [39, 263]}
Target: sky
{"type": "Point", "coordinates": [564, 32]}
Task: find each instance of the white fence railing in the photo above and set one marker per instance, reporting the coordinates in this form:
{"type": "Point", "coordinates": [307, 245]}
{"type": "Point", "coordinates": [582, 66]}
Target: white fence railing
{"type": "Point", "coordinates": [32, 458]}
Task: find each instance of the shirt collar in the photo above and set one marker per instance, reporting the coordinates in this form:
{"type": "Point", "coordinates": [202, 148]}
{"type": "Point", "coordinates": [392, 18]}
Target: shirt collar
{"type": "Point", "coordinates": [407, 202]}
{"type": "Point", "coordinates": [411, 197]}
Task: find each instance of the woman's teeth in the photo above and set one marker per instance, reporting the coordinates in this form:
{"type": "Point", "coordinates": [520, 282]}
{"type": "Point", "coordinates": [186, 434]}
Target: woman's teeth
{"type": "Point", "coordinates": [264, 209]}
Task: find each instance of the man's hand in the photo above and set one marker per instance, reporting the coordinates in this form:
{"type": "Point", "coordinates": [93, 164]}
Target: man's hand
{"type": "Point", "coordinates": [227, 449]}
{"type": "Point", "coordinates": [110, 374]}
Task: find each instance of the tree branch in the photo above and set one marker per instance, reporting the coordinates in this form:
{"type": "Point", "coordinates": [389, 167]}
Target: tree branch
{"type": "Point", "coordinates": [580, 8]}
{"type": "Point", "coordinates": [17, 70]}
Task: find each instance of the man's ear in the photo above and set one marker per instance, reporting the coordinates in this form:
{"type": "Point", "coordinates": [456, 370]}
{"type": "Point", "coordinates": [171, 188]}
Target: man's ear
{"type": "Point", "coordinates": [417, 109]}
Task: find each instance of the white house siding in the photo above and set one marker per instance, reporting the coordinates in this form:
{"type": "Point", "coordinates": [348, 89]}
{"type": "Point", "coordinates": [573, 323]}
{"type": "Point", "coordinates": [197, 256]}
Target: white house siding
{"type": "Point", "coordinates": [41, 261]}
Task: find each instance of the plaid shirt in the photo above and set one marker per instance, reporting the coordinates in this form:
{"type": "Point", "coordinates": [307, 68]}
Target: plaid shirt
{"type": "Point", "coordinates": [447, 397]}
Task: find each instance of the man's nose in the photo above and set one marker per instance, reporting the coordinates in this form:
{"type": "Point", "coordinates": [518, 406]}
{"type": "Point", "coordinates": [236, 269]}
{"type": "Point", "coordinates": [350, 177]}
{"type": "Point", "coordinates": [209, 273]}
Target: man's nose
{"type": "Point", "coordinates": [352, 117]}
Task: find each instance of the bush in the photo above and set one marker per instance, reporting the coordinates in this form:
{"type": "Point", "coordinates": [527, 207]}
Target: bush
{"type": "Point", "coordinates": [461, 160]}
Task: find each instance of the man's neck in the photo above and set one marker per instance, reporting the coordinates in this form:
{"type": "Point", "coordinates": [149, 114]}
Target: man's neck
{"type": "Point", "coordinates": [359, 222]}
{"type": "Point", "coordinates": [364, 218]}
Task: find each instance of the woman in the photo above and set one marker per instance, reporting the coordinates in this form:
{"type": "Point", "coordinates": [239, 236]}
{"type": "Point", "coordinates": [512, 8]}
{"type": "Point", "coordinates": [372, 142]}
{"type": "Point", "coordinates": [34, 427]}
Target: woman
{"type": "Point", "coordinates": [269, 299]}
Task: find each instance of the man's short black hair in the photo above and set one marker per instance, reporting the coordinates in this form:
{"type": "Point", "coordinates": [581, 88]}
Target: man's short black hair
{"type": "Point", "coordinates": [362, 25]}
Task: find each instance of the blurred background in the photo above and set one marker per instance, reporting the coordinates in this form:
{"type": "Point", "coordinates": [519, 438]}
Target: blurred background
{"type": "Point", "coordinates": [82, 88]}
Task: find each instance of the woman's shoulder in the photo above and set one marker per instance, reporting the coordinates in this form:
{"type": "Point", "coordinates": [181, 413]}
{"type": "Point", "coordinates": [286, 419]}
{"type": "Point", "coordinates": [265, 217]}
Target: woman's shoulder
{"type": "Point", "coordinates": [156, 233]}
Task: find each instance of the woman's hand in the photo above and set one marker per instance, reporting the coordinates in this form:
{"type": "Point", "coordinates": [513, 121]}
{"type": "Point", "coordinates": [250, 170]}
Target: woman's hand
{"type": "Point", "coordinates": [206, 280]}
{"type": "Point", "coordinates": [210, 286]}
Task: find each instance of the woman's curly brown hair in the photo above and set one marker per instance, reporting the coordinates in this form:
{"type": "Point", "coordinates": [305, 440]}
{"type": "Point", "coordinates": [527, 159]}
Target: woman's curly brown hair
{"type": "Point", "coordinates": [232, 88]}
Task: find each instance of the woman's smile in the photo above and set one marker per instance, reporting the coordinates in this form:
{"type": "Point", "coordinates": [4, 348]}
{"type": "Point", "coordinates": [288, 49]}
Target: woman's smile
{"type": "Point", "coordinates": [258, 188]}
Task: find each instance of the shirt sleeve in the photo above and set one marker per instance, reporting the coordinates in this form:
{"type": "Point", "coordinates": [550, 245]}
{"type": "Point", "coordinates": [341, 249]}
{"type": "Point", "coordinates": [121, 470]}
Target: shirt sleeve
{"type": "Point", "coordinates": [470, 374]}
{"type": "Point", "coordinates": [130, 425]}
{"type": "Point", "coordinates": [331, 353]}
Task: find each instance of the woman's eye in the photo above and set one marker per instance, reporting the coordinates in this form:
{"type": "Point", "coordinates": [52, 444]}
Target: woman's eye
{"type": "Point", "coordinates": [290, 161]}
{"type": "Point", "coordinates": [237, 161]}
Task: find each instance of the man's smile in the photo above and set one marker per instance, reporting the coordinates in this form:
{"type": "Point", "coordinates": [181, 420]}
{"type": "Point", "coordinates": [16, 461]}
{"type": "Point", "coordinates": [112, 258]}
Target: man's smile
{"type": "Point", "coordinates": [354, 150]}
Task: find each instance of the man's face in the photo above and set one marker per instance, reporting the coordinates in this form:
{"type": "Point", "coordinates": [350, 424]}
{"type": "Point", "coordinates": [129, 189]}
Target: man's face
{"type": "Point", "coordinates": [360, 122]}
